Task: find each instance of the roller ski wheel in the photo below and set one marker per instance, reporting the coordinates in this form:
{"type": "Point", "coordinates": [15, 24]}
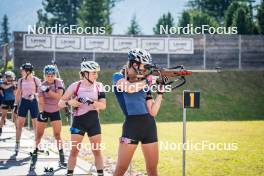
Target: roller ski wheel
{"type": "Point", "coordinates": [62, 165]}
{"type": "Point", "coordinates": [48, 170]}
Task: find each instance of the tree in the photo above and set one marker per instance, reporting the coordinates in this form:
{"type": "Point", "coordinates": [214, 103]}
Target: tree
{"type": "Point", "coordinates": [243, 22]}
{"type": "Point", "coordinates": [94, 13]}
{"type": "Point", "coordinates": [214, 8]}
{"type": "Point", "coordinates": [185, 19]}
{"type": "Point", "coordinates": [110, 4]}
{"type": "Point", "coordinates": [134, 28]}
{"type": "Point", "coordinates": [232, 10]}
{"type": "Point", "coordinates": [4, 37]}
{"type": "Point", "coordinates": [165, 20]}
{"type": "Point", "coordinates": [62, 12]}
{"type": "Point", "coordinates": [260, 17]}
{"type": "Point", "coordinates": [198, 19]}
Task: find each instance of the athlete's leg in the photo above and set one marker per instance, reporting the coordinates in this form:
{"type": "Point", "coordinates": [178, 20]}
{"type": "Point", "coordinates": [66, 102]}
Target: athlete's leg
{"type": "Point", "coordinates": [56, 126]}
{"type": "Point", "coordinates": [4, 115]}
{"type": "Point", "coordinates": [40, 128]}
{"type": "Point", "coordinates": [96, 149]}
{"type": "Point", "coordinates": [151, 155]}
{"type": "Point", "coordinates": [125, 154]}
{"type": "Point", "coordinates": [14, 118]}
{"type": "Point", "coordinates": [76, 140]}
{"type": "Point", "coordinates": [34, 112]}
{"type": "Point", "coordinates": [20, 125]}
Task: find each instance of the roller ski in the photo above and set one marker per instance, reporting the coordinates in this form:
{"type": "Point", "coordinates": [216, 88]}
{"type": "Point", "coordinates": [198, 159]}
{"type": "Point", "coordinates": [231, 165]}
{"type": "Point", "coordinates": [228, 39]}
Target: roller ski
{"type": "Point", "coordinates": [62, 163]}
{"type": "Point", "coordinates": [4, 139]}
{"type": "Point", "coordinates": [34, 158]}
{"type": "Point", "coordinates": [40, 152]}
{"type": "Point", "coordinates": [48, 171]}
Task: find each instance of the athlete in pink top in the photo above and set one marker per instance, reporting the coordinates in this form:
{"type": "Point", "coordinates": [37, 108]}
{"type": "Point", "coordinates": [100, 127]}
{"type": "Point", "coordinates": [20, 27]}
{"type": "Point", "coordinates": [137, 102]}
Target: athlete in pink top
{"type": "Point", "coordinates": [89, 92]}
{"type": "Point", "coordinates": [54, 85]}
{"type": "Point", "coordinates": [26, 99]}
{"type": "Point", "coordinates": [49, 95]}
{"type": "Point", "coordinates": [89, 98]}
{"type": "Point", "coordinates": [29, 87]}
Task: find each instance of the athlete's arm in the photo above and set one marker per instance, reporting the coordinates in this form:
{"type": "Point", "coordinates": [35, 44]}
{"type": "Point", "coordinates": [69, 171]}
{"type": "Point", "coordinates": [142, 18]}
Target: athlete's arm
{"type": "Point", "coordinates": [56, 95]}
{"type": "Point", "coordinates": [154, 105]}
{"type": "Point", "coordinates": [100, 104]}
{"type": "Point", "coordinates": [18, 96]}
{"type": "Point", "coordinates": [66, 99]}
{"type": "Point", "coordinates": [6, 86]}
{"type": "Point", "coordinates": [126, 86]}
{"type": "Point", "coordinates": [41, 103]}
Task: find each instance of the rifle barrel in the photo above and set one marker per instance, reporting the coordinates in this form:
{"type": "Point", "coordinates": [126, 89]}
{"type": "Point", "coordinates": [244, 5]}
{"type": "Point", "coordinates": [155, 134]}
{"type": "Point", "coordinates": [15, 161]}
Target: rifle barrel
{"type": "Point", "coordinates": [205, 71]}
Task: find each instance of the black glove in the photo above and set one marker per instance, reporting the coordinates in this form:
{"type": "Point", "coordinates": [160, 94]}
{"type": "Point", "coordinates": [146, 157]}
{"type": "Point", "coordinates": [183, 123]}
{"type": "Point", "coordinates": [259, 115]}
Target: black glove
{"type": "Point", "coordinates": [40, 116]}
{"type": "Point", "coordinates": [44, 88]}
{"type": "Point", "coordinates": [85, 101]}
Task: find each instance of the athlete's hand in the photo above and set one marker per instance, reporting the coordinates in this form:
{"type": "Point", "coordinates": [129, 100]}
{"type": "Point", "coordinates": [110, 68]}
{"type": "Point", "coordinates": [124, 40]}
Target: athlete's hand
{"type": "Point", "coordinates": [160, 89]}
{"type": "Point", "coordinates": [87, 101]}
{"type": "Point", "coordinates": [44, 88]}
{"type": "Point", "coordinates": [150, 79]}
{"type": "Point", "coordinates": [15, 109]}
{"type": "Point", "coordinates": [74, 103]}
{"type": "Point", "coordinates": [40, 116]}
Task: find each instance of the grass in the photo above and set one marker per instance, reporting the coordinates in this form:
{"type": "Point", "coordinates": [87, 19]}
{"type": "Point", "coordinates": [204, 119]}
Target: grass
{"type": "Point", "coordinates": [232, 112]}
{"type": "Point", "coordinates": [246, 136]}
{"type": "Point", "coordinates": [228, 95]}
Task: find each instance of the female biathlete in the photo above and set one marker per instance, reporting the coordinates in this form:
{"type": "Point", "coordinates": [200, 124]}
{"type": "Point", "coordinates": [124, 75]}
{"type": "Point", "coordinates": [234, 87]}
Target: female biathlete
{"type": "Point", "coordinates": [8, 88]}
{"type": "Point", "coordinates": [50, 92]}
{"type": "Point", "coordinates": [26, 98]}
{"type": "Point", "coordinates": [89, 98]}
{"type": "Point", "coordinates": [140, 109]}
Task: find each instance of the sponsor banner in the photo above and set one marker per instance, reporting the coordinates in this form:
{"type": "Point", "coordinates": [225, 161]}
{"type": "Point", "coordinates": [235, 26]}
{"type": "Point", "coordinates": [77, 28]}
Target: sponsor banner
{"type": "Point", "coordinates": [106, 44]}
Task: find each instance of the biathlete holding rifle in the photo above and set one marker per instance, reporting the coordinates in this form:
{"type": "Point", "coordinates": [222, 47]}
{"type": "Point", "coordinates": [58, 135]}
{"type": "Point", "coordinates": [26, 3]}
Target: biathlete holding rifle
{"type": "Point", "coordinates": [89, 98]}
{"type": "Point", "coordinates": [8, 89]}
{"type": "Point", "coordinates": [26, 98]}
{"type": "Point", "coordinates": [140, 109]}
{"type": "Point", "coordinates": [50, 92]}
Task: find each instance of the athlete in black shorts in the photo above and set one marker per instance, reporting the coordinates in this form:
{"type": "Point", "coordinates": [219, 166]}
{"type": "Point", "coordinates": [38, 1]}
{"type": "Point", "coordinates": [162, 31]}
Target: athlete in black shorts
{"type": "Point", "coordinates": [89, 98]}
{"type": "Point", "coordinates": [140, 109]}
{"type": "Point", "coordinates": [8, 89]}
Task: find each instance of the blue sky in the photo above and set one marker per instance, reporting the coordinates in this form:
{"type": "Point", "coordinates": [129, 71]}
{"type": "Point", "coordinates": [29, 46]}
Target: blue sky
{"type": "Point", "coordinates": [22, 13]}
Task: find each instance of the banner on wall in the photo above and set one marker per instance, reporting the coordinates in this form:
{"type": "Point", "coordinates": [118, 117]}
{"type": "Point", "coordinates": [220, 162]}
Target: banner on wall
{"type": "Point", "coordinates": [106, 44]}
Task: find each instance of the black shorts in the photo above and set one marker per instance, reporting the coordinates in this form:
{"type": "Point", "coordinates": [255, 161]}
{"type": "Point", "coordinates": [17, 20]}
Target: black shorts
{"type": "Point", "coordinates": [139, 128]}
{"type": "Point", "coordinates": [88, 122]}
{"type": "Point", "coordinates": [8, 104]}
{"type": "Point", "coordinates": [28, 105]}
{"type": "Point", "coordinates": [1, 100]}
{"type": "Point", "coordinates": [53, 116]}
